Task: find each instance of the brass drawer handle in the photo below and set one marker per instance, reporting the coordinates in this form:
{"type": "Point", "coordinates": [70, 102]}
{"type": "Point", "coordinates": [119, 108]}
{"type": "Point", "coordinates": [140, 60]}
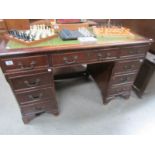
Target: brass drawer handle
{"type": "Point", "coordinates": [124, 79]}
{"type": "Point", "coordinates": [32, 65]}
{"type": "Point", "coordinates": [100, 55]}
{"type": "Point", "coordinates": [118, 90]}
{"type": "Point", "coordinates": [121, 89]}
{"type": "Point", "coordinates": [32, 84]}
{"type": "Point", "coordinates": [39, 108]}
{"type": "Point", "coordinates": [34, 97]}
{"type": "Point", "coordinates": [127, 67]}
{"type": "Point", "coordinates": [108, 54]}
{"type": "Point", "coordinates": [70, 62]}
{"type": "Point", "coordinates": [133, 52]}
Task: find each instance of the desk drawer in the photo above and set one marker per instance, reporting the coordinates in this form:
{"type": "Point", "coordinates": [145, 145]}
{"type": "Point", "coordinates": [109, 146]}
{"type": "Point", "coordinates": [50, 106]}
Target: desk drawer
{"type": "Point", "coordinates": [84, 57]}
{"type": "Point", "coordinates": [101, 55]}
{"type": "Point", "coordinates": [31, 81]}
{"type": "Point", "coordinates": [35, 95]}
{"type": "Point", "coordinates": [119, 89]}
{"type": "Point", "coordinates": [68, 58]}
{"type": "Point", "coordinates": [139, 51]}
{"type": "Point", "coordinates": [121, 79]}
{"type": "Point", "coordinates": [38, 107]}
{"type": "Point", "coordinates": [24, 63]}
{"type": "Point", "coordinates": [127, 66]}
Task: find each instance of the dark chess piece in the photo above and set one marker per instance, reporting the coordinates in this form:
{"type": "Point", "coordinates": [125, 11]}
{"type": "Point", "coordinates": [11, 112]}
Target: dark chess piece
{"type": "Point", "coordinates": [22, 35]}
{"type": "Point", "coordinates": [25, 36]}
{"type": "Point", "coordinates": [17, 34]}
{"type": "Point", "coordinates": [13, 33]}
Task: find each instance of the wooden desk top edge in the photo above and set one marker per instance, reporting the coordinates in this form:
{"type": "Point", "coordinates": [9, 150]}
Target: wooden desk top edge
{"type": "Point", "coordinates": [32, 50]}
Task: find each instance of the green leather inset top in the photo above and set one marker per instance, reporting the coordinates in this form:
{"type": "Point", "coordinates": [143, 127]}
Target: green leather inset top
{"type": "Point", "coordinates": [58, 41]}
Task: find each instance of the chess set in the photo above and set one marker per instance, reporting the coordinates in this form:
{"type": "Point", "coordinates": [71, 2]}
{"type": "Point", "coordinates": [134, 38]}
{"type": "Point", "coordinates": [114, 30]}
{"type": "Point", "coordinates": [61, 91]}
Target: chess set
{"type": "Point", "coordinates": [40, 32]}
{"type": "Point", "coordinates": [36, 34]}
{"type": "Point", "coordinates": [111, 30]}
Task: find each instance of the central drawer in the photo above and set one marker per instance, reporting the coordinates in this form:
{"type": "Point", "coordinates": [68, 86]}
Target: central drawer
{"type": "Point", "coordinates": [68, 58]}
{"type": "Point", "coordinates": [35, 95]}
{"type": "Point", "coordinates": [63, 59]}
{"type": "Point", "coordinates": [104, 54]}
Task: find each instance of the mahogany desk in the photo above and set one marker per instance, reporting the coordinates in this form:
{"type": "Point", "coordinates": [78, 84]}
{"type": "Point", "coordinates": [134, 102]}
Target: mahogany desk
{"type": "Point", "coordinates": [31, 71]}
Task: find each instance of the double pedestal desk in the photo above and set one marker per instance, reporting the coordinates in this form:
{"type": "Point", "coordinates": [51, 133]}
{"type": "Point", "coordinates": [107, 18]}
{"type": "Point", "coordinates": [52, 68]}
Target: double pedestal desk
{"type": "Point", "coordinates": [31, 71]}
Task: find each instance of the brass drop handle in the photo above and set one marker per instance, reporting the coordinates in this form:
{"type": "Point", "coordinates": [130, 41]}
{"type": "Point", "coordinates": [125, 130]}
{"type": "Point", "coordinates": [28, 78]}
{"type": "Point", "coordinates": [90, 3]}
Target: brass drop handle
{"type": "Point", "coordinates": [32, 65]}
{"type": "Point", "coordinates": [129, 67]}
{"type": "Point", "coordinates": [67, 61]}
{"type": "Point", "coordinates": [108, 54]}
{"type": "Point", "coordinates": [34, 97]}
{"type": "Point", "coordinates": [124, 79]}
{"type": "Point", "coordinates": [133, 52]}
{"type": "Point", "coordinates": [99, 55]}
{"type": "Point", "coordinates": [118, 90]}
{"type": "Point", "coordinates": [38, 108]}
{"type": "Point", "coordinates": [32, 84]}
{"type": "Point", "coordinates": [121, 89]}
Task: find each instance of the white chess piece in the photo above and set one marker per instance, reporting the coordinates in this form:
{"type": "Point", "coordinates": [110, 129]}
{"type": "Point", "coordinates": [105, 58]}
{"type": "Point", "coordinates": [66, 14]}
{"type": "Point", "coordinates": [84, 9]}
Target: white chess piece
{"type": "Point", "coordinates": [37, 37]}
{"type": "Point", "coordinates": [27, 32]}
{"type": "Point", "coordinates": [43, 32]}
{"type": "Point", "coordinates": [53, 32]}
{"type": "Point", "coordinates": [33, 29]}
{"type": "Point", "coordinates": [49, 33]}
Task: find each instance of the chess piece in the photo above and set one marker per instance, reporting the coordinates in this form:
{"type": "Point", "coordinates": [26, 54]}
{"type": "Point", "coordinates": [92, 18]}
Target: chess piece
{"type": "Point", "coordinates": [53, 32]}
{"type": "Point", "coordinates": [43, 34]}
{"type": "Point", "coordinates": [31, 37]}
{"type": "Point", "coordinates": [27, 32]}
{"type": "Point", "coordinates": [37, 36]}
{"type": "Point", "coordinates": [49, 33]}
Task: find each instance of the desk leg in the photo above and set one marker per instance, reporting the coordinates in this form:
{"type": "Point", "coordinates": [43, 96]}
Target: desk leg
{"type": "Point", "coordinates": [54, 110]}
{"type": "Point", "coordinates": [28, 118]}
{"type": "Point", "coordinates": [101, 74]}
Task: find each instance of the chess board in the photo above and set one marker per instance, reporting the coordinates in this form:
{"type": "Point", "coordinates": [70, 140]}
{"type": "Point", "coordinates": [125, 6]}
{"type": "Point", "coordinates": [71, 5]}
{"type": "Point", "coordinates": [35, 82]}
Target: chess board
{"type": "Point", "coordinates": [31, 43]}
{"type": "Point", "coordinates": [36, 34]}
{"type": "Point", "coordinates": [113, 31]}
